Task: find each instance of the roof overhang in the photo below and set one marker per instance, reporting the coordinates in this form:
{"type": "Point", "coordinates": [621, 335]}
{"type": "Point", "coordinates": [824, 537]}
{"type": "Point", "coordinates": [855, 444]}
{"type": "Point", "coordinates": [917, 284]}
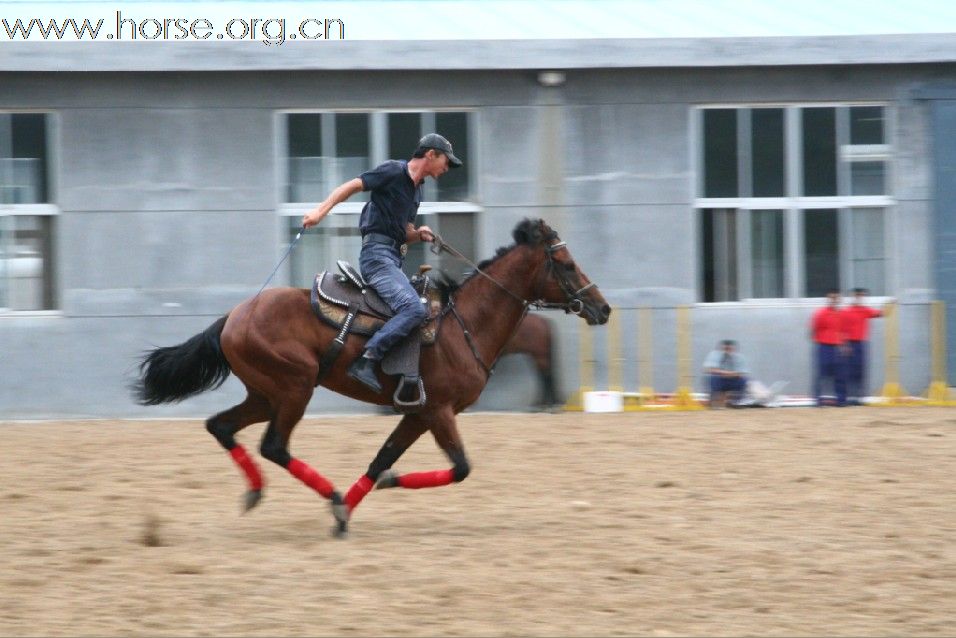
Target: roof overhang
{"type": "Point", "coordinates": [440, 55]}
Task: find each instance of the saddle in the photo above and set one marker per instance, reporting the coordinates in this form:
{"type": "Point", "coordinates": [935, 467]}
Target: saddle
{"type": "Point", "coordinates": [346, 302]}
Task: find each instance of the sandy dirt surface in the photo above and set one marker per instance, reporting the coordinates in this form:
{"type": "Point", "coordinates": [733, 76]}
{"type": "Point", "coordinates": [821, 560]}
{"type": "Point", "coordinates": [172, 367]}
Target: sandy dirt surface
{"type": "Point", "coordinates": [734, 522]}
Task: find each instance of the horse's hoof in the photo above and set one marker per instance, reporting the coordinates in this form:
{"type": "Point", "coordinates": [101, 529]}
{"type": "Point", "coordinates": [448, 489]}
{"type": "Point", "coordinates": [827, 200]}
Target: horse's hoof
{"type": "Point", "coordinates": [387, 479]}
{"type": "Point", "coordinates": [341, 513]}
{"type": "Point", "coordinates": [339, 509]}
{"type": "Point", "coordinates": [251, 499]}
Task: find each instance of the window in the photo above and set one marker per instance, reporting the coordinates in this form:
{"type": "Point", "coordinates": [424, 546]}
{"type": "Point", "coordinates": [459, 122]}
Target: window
{"type": "Point", "coordinates": [720, 253]}
{"type": "Point", "coordinates": [819, 151]}
{"type": "Point", "coordinates": [720, 153]}
{"type": "Point", "coordinates": [338, 237]}
{"type": "Point", "coordinates": [821, 257]}
{"type": "Point", "coordinates": [326, 149]}
{"type": "Point", "coordinates": [352, 156]}
{"type": "Point", "coordinates": [766, 134]}
{"type": "Point", "coordinates": [868, 253]}
{"type": "Point", "coordinates": [26, 219]}
{"type": "Point", "coordinates": [454, 185]}
{"type": "Point", "coordinates": [791, 200]}
{"type": "Point", "coordinates": [766, 242]}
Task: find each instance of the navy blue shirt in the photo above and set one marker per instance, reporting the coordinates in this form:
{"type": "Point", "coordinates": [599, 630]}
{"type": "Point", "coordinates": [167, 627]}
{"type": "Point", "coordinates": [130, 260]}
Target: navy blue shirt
{"type": "Point", "coordinates": [394, 200]}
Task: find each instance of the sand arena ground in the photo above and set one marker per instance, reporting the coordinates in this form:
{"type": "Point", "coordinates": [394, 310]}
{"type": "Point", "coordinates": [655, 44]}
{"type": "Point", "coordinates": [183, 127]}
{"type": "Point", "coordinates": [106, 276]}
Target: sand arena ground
{"type": "Point", "coordinates": [756, 522]}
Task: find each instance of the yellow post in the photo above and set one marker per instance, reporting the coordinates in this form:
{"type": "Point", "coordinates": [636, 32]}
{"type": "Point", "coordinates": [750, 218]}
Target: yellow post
{"type": "Point", "coordinates": [586, 359]}
{"type": "Point", "coordinates": [892, 391]}
{"type": "Point", "coordinates": [615, 358]}
{"type": "Point", "coordinates": [684, 399]}
{"type": "Point", "coordinates": [938, 392]}
{"type": "Point", "coordinates": [645, 355]}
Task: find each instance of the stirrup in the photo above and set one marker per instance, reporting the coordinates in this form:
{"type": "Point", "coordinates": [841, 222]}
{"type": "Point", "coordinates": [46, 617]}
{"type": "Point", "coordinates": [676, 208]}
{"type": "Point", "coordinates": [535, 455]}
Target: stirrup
{"type": "Point", "coordinates": [404, 407]}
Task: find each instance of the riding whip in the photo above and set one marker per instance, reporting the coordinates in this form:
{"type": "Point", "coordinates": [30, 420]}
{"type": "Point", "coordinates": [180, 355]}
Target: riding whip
{"type": "Point", "coordinates": [284, 257]}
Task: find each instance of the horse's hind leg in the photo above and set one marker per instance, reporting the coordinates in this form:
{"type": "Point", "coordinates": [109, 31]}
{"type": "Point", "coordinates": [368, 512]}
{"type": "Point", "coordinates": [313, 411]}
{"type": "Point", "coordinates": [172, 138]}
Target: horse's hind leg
{"type": "Point", "coordinates": [405, 433]}
{"type": "Point", "coordinates": [224, 426]}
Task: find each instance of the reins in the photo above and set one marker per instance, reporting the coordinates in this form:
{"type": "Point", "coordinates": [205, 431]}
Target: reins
{"type": "Point", "coordinates": [574, 303]}
{"type": "Point", "coordinates": [439, 245]}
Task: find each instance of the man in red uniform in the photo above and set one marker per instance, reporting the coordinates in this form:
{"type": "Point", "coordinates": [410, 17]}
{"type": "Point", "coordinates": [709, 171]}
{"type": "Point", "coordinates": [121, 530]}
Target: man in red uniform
{"type": "Point", "coordinates": [856, 318]}
{"type": "Point", "coordinates": [829, 335]}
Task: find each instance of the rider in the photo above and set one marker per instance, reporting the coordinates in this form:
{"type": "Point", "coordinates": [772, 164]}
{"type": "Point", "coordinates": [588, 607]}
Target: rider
{"type": "Point", "coordinates": [387, 225]}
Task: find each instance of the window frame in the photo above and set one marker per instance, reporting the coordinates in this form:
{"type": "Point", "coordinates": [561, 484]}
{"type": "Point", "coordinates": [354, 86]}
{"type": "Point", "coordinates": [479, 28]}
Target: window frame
{"type": "Point", "coordinates": [793, 204]}
{"type": "Point", "coordinates": [49, 208]}
{"type": "Point", "coordinates": [378, 153]}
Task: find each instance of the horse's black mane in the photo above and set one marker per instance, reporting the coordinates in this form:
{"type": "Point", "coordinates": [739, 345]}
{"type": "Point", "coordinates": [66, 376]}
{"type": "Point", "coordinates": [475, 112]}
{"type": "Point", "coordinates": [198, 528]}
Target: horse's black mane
{"type": "Point", "coordinates": [528, 232]}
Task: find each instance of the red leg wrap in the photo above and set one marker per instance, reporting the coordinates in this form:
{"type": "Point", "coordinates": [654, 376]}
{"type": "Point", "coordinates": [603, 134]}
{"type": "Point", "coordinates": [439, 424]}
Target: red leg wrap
{"type": "Point", "coordinates": [358, 491]}
{"type": "Point", "coordinates": [418, 480]}
{"type": "Point", "coordinates": [302, 471]}
{"type": "Point", "coordinates": [248, 466]}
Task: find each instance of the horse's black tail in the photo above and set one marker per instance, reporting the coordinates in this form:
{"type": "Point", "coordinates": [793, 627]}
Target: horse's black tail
{"type": "Point", "coordinates": [174, 373]}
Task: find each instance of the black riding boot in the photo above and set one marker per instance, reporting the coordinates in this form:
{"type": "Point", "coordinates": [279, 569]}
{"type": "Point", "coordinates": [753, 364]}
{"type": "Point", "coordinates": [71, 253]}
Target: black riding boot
{"type": "Point", "coordinates": [363, 371]}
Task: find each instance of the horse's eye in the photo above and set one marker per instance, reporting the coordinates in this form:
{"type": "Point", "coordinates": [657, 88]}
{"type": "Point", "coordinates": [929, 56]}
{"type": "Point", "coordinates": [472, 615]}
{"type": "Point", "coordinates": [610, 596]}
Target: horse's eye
{"type": "Point", "coordinates": [569, 266]}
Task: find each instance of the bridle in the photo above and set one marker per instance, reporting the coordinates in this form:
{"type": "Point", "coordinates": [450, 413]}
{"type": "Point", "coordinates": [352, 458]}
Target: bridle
{"type": "Point", "coordinates": [574, 304]}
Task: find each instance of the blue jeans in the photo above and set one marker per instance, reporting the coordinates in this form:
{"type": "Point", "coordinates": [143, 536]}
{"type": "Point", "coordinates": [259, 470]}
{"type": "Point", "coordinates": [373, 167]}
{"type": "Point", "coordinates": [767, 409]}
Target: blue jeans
{"type": "Point", "coordinates": [856, 370]}
{"type": "Point", "coordinates": [734, 385]}
{"type": "Point", "coordinates": [381, 266]}
{"type": "Point", "coordinates": [830, 364]}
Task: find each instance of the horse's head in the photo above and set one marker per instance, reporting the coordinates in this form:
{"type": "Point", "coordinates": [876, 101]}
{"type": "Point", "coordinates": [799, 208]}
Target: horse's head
{"type": "Point", "coordinates": [560, 283]}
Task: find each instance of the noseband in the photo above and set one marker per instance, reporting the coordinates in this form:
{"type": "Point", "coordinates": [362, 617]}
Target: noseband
{"type": "Point", "coordinates": [574, 303]}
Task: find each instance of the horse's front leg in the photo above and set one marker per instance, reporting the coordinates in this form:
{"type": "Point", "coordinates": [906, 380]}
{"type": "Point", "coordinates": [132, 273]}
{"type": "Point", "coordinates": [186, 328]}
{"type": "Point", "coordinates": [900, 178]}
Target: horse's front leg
{"type": "Point", "coordinates": [405, 433]}
{"type": "Point", "coordinates": [444, 429]}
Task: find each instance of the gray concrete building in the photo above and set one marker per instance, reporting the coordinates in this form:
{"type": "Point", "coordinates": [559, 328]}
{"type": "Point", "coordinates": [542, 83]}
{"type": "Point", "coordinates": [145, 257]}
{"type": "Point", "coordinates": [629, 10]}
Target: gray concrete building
{"type": "Point", "coordinates": [146, 189]}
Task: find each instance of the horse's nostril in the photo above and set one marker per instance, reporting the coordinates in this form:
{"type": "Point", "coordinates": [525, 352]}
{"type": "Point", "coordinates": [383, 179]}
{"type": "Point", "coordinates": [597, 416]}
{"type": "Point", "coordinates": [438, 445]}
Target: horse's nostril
{"type": "Point", "coordinates": [606, 310]}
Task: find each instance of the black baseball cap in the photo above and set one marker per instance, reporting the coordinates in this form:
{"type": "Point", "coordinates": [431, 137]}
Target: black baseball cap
{"type": "Point", "coordinates": [439, 143]}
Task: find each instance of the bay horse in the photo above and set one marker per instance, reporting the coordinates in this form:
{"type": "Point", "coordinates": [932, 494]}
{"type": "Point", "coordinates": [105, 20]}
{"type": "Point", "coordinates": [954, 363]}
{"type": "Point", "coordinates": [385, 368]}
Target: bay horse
{"type": "Point", "coordinates": [534, 337]}
{"type": "Point", "coordinates": [273, 343]}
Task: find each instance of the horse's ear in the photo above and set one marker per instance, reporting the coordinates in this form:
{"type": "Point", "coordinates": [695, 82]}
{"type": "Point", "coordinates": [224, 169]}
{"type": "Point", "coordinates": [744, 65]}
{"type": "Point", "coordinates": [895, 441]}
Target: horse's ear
{"type": "Point", "coordinates": [529, 232]}
{"type": "Point", "coordinates": [545, 231]}
{"type": "Point", "coordinates": [522, 232]}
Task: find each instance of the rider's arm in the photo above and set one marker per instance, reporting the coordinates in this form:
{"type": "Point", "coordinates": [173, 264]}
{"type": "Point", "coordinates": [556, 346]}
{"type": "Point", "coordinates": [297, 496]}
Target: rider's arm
{"type": "Point", "coordinates": [337, 196]}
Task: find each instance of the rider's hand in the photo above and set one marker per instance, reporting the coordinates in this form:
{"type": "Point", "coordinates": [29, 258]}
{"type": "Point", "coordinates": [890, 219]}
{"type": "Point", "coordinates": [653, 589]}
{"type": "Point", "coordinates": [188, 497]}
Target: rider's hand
{"type": "Point", "coordinates": [425, 233]}
{"type": "Point", "coordinates": [310, 219]}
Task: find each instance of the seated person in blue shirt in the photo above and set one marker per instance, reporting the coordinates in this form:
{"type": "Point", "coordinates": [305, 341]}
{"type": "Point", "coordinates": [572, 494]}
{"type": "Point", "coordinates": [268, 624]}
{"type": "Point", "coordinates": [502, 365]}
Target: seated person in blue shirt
{"type": "Point", "coordinates": [728, 374]}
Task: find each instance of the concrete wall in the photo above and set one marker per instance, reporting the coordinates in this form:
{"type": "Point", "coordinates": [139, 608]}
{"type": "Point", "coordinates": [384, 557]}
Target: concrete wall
{"type": "Point", "coordinates": [167, 188]}
{"type": "Point", "coordinates": [944, 144]}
